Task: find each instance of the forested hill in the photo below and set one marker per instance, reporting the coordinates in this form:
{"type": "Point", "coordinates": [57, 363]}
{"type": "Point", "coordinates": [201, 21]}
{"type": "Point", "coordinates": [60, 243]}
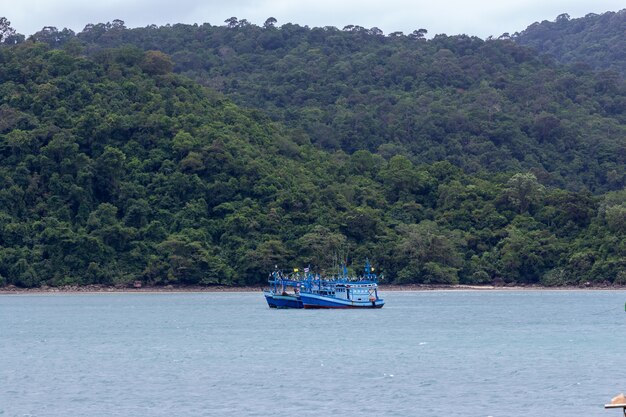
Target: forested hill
{"type": "Point", "coordinates": [482, 105]}
{"type": "Point", "coordinates": [114, 169]}
{"type": "Point", "coordinates": [596, 40]}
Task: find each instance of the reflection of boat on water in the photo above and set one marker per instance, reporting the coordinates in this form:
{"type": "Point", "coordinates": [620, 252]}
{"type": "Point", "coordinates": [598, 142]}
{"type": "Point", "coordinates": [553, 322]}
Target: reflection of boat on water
{"type": "Point", "coordinates": [344, 292]}
{"type": "Point", "coordinates": [313, 291]}
{"type": "Point", "coordinates": [278, 297]}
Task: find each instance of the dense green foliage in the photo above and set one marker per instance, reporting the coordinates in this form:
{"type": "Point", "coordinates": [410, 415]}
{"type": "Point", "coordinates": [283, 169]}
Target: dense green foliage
{"type": "Point", "coordinates": [596, 40]}
{"type": "Point", "coordinates": [115, 169]}
{"type": "Point", "coordinates": [481, 105]}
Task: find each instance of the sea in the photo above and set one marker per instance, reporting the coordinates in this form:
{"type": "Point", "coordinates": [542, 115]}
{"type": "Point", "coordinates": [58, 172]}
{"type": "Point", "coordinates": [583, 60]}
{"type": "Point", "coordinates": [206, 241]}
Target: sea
{"type": "Point", "coordinates": [432, 353]}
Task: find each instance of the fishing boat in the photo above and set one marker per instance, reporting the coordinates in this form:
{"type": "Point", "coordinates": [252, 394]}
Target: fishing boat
{"type": "Point", "coordinates": [343, 292]}
{"type": "Point", "coordinates": [278, 296]}
{"type": "Point", "coordinates": [282, 300]}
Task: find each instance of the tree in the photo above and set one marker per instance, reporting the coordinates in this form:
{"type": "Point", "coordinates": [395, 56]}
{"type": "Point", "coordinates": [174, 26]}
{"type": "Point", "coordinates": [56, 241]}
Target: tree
{"type": "Point", "coordinates": [109, 169]}
{"type": "Point", "coordinates": [270, 22]}
{"type": "Point", "coordinates": [547, 127]}
{"type": "Point", "coordinates": [6, 31]}
{"type": "Point", "coordinates": [526, 256]}
{"type": "Point", "coordinates": [52, 36]}
{"type": "Point", "coordinates": [523, 190]}
{"type": "Point", "coordinates": [402, 179]}
{"type": "Point", "coordinates": [427, 254]}
{"type": "Point", "coordinates": [156, 63]}
{"type": "Point", "coordinates": [322, 248]}
{"type": "Point", "coordinates": [118, 24]}
{"type": "Point", "coordinates": [418, 34]}
{"type": "Point", "coordinates": [231, 22]}
{"type": "Point", "coordinates": [264, 258]}
{"type": "Point", "coordinates": [563, 17]}
{"type": "Point", "coordinates": [616, 218]}
{"type": "Point", "coordinates": [361, 224]}
{"type": "Point", "coordinates": [187, 261]}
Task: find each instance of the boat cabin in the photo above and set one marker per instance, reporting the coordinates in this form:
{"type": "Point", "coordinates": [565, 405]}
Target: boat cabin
{"type": "Point", "coordinates": [356, 292]}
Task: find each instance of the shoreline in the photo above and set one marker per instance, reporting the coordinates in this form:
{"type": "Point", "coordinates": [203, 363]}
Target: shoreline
{"type": "Point", "coordinates": [99, 289]}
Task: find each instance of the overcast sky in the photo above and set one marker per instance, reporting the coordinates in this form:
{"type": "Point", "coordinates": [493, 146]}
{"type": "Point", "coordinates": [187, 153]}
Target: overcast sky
{"type": "Point", "coordinates": [479, 17]}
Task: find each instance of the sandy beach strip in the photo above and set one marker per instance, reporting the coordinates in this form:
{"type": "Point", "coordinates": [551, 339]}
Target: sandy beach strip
{"type": "Point", "coordinates": [98, 289]}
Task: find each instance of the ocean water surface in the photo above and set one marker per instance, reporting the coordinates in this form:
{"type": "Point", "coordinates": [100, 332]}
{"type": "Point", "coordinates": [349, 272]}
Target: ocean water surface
{"type": "Point", "coordinates": [448, 353]}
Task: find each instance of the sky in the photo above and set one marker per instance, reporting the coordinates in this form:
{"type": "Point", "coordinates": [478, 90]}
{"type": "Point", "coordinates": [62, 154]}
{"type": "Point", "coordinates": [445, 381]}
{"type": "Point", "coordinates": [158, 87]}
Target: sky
{"type": "Point", "coordinates": [478, 17]}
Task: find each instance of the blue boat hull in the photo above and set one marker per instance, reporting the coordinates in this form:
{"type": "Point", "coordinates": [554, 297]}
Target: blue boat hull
{"type": "Point", "coordinates": [282, 301]}
{"type": "Point", "coordinates": [324, 301]}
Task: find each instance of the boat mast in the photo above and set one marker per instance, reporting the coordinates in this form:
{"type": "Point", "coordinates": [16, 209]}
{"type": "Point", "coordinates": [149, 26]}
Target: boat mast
{"type": "Point", "coordinates": [368, 269]}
